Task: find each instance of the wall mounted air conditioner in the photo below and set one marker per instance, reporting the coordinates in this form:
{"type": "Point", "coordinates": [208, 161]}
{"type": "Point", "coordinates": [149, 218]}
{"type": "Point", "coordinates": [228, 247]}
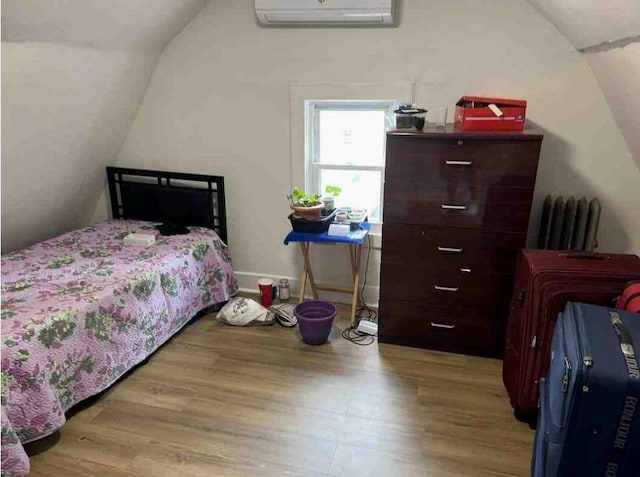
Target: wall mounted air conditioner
{"type": "Point", "coordinates": [325, 12]}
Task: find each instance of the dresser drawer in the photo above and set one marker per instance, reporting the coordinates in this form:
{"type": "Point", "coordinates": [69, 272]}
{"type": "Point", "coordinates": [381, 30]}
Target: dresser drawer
{"type": "Point", "coordinates": [493, 208]}
{"type": "Point", "coordinates": [449, 248]}
{"type": "Point", "coordinates": [449, 329]}
{"type": "Point", "coordinates": [472, 161]}
{"type": "Point", "coordinates": [446, 287]}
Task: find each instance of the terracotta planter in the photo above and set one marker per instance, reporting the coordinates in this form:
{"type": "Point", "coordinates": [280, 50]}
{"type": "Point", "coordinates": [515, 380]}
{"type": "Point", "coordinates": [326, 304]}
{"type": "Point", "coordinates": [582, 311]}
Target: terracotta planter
{"type": "Point", "coordinates": [311, 213]}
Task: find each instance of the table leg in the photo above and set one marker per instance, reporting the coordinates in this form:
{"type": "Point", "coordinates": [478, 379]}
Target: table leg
{"type": "Point", "coordinates": [355, 264]}
{"type": "Point", "coordinates": [306, 247]}
{"type": "Point", "coordinates": [303, 280]}
{"type": "Point", "coordinates": [352, 251]}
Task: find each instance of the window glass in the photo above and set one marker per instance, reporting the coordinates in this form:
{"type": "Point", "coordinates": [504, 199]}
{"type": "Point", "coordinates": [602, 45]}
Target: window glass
{"type": "Point", "coordinates": [359, 189]}
{"type": "Point", "coordinates": [351, 137]}
{"type": "Point", "coordinates": [345, 147]}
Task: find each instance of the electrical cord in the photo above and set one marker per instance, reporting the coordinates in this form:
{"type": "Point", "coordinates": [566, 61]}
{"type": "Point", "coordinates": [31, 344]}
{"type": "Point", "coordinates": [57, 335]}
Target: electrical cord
{"type": "Point", "coordinates": [363, 311]}
{"type": "Point", "coordinates": [358, 337]}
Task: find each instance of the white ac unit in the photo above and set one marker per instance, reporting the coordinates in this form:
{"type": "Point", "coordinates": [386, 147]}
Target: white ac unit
{"type": "Point", "coordinates": [325, 12]}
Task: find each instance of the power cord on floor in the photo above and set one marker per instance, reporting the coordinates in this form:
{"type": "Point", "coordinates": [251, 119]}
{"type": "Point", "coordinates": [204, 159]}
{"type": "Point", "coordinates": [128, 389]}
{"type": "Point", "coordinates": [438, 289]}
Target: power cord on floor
{"type": "Point", "coordinates": [358, 337]}
{"type": "Point", "coordinates": [363, 311]}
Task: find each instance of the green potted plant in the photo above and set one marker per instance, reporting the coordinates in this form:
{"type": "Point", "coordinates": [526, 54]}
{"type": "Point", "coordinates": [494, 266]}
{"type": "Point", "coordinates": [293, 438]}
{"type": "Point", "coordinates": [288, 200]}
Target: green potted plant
{"type": "Point", "coordinates": [331, 193]}
{"type": "Point", "coordinates": [305, 205]}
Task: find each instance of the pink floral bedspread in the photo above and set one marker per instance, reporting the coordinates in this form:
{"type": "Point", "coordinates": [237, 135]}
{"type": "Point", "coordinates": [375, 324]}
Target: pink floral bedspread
{"type": "Point", "coordinates": [81, 309]}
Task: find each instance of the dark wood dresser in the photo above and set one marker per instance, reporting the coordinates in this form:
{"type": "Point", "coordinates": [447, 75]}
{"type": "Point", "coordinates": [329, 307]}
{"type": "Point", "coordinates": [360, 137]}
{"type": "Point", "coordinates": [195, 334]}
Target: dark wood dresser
{"type": "Point", "coordinates": [456, 212]}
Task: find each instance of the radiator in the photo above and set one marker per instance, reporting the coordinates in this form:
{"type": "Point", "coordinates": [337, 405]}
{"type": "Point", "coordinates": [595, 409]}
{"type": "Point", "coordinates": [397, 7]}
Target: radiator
{"type": "Point", "coordinates": [569, 224]}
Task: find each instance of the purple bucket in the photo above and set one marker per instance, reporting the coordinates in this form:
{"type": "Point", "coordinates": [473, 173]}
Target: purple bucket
{"type": "Point", "coordinates": [315, 318]}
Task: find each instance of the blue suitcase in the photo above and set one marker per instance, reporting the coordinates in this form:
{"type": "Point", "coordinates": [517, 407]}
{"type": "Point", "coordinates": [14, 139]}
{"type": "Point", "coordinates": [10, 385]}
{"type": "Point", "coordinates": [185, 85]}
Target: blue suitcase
{"type": "Point", "coordinates": [539, 460]}
{"type": "Point", "coordinates": [589, 419]}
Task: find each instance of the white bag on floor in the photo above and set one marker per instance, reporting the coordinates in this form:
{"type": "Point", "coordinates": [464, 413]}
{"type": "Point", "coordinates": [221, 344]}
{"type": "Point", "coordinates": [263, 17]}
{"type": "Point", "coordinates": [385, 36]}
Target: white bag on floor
{"type": "Point", "coordinates": [242, 311]}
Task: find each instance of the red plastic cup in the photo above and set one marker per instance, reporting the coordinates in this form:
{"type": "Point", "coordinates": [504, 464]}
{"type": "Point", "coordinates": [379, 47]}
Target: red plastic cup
{"type": "Point", "coordinates": [266, 292]}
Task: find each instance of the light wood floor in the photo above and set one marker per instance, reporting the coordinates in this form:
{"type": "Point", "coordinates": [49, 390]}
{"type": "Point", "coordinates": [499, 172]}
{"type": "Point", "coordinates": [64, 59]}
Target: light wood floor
{"type": "Point", "coordinates": [224, 401]}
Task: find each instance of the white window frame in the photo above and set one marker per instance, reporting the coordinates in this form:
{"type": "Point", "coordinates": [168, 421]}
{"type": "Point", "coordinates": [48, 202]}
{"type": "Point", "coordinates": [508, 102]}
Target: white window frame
{"type": "Point", "coordinates": [312, 148]}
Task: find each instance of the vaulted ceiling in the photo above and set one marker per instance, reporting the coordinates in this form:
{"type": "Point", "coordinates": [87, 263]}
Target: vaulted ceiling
{"type": "Point", "coordinates": [73, 75]}
{"type": "Point", "coordinates": [75, 71]}
{"type": "Point", "coordinates": [99, 24]}
{"type": "Point", "coordinates": [587, 23]}
{"type": "Point", "coordinates": [608, 33]}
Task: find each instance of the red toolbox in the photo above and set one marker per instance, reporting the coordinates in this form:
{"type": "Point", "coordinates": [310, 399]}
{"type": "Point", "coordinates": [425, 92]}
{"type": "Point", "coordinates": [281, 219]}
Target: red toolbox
{"type": "Point", "coordinates": [478, 113]}
{"type": "Point", "coordinates": [545, 281]}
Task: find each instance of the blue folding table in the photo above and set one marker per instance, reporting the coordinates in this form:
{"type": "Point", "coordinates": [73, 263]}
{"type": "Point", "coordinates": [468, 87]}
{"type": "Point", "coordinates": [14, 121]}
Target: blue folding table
{"type": "Point", "coordinates": [355, 241]}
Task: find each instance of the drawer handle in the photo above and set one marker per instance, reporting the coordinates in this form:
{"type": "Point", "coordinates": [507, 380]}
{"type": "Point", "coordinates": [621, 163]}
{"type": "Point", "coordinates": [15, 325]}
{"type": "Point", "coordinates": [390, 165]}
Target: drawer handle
{"type": "Point", "coordinates": [454, 207]}
{"type": "Point", "coordinates": [442, 325]}
{"type": "Point", "coordinates": [458, 163]}
{"type": "Point", "coordinates": [465, 270]}
{"type": "Point", "coordinates": [460, 142]}
{"type": "Point", "coordinates": [449, 289]}
{"type": "Point", "coordinates": [449, 249]}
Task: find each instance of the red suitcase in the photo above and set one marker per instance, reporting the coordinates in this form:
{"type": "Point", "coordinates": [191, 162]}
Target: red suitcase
{"type": "Point", "coordinates": [630, 298]}
{"type": "Point", "coordinates": [545, 281]}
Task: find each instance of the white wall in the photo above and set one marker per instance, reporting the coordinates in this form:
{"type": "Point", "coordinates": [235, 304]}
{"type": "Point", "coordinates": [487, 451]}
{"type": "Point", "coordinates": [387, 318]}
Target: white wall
{"type": "Point", "coordinates": [591, 22]}
{"type": "Point", "coordinates": [609, 35]}
{"type": "Point", "coordinates": [73, 75]}
{"type": "Point", "coordinates": [98, 24]}
{"type": "Point", "coordinates": [219, 103]}
{"type": "Point", "coordinates": [65, 112]}
{"type": "Point", "coordinates": [618, 73]}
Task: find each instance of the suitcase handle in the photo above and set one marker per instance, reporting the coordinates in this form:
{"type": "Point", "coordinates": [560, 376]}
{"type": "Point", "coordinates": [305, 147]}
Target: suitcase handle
{"type": "Point", "coordinates": [586, 255]}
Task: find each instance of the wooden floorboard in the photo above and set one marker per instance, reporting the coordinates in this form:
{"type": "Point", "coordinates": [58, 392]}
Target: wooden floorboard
{"type": "Point", "coordinates": [226, 401]}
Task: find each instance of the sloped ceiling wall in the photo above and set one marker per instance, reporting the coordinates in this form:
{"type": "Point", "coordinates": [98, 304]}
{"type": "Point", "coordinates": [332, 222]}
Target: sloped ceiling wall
{"type": "Point", "coordinates": [618, 73]}
{"type": "Point", "coordinates": [608, 33]}
{"type": "Point", "coordinates": [73, 75]}
{"type": "Point", "coordinates": [586, 23]}
{"type": "Point", "coordinates": [223, 96]}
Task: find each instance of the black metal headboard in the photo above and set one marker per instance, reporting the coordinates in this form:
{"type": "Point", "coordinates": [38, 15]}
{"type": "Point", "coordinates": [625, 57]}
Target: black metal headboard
{"type": "Point", "coordinates": [160, 196]}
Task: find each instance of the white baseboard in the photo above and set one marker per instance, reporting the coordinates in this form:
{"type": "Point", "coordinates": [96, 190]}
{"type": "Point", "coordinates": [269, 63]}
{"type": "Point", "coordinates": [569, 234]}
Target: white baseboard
{"type": "Point", "coordinates": [247, 282]}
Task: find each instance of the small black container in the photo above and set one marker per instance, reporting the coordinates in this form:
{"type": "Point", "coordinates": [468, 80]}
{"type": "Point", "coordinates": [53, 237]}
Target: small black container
{"type": "Point", "coordinates": [300, 224]}
{"type": "Point", "coordinates": [408, 117]}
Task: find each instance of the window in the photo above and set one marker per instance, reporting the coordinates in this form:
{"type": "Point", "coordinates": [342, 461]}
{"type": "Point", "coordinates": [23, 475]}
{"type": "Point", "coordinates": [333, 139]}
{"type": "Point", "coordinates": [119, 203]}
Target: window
{"type": "Point", "coordinates": [345, 147]}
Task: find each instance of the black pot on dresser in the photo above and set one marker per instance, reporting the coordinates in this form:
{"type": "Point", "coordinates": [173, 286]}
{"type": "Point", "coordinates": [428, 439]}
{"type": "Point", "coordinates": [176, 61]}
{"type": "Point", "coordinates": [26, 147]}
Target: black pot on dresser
{"type": "Point", "coordinates": [456, 211]}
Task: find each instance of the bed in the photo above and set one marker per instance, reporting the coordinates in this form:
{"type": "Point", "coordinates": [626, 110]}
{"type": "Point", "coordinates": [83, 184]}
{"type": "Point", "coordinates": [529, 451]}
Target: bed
{"type": "Point", "coordinates": [80, 310]}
